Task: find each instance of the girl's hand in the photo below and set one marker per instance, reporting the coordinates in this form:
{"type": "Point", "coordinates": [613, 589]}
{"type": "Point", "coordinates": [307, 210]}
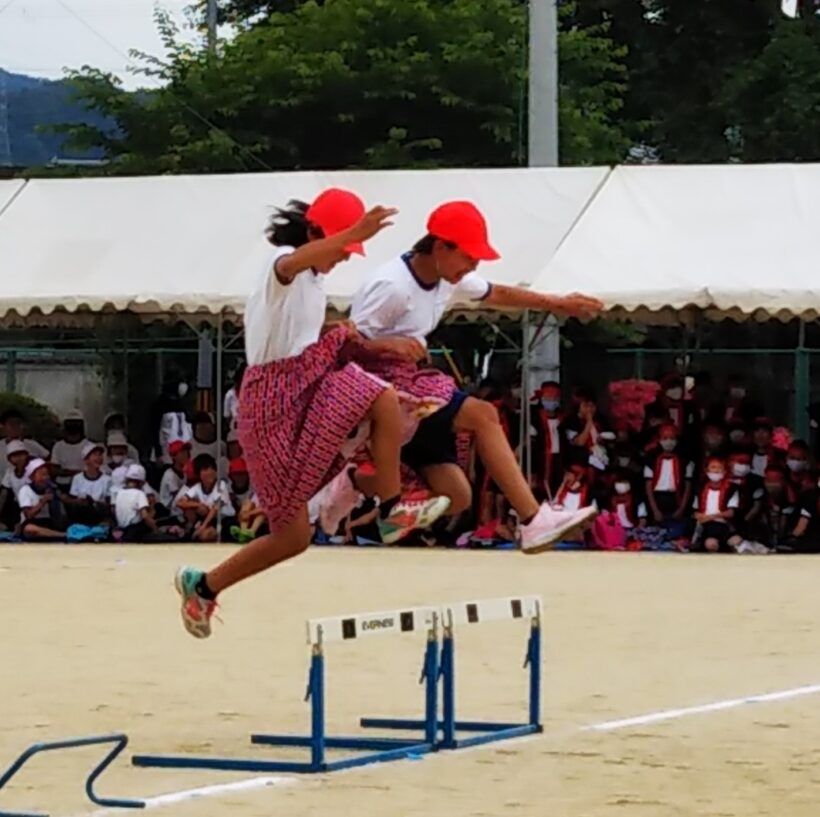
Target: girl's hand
{"type": "Point", "coordinates": [371, 223]}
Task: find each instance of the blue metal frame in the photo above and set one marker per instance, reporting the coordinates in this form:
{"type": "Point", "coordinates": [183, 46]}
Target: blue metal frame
{"type": "Point", "coordinates": [489, 731]}
{"type": "Point", "coordinates": [120, 741]}
{"type": "Point", "coordinates": [377, 749]}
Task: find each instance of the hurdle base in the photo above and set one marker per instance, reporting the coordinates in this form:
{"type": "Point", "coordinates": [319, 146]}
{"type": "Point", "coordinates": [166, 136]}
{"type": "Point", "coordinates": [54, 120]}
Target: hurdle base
{"type": "Point", "coordinates": [492, 731]}
{"type": "Point", "coordinates": [378, 751]}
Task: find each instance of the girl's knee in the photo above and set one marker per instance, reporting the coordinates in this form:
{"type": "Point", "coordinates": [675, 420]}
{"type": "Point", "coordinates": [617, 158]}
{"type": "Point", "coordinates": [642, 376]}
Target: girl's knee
{"type": "Point", "coordinates": [477, 413]}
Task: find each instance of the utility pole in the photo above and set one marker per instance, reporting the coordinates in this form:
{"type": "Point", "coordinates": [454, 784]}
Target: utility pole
{"type": "Point", "coordinates": [211, 23]}
{"type": "Point", "coordinates": [543, 85]}
{"type": "Point", "coordinates": [5, 138]}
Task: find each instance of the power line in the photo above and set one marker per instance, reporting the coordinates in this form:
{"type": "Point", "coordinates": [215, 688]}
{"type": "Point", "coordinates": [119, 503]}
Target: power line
{"type": "Point", "coordinates": [184, 105]}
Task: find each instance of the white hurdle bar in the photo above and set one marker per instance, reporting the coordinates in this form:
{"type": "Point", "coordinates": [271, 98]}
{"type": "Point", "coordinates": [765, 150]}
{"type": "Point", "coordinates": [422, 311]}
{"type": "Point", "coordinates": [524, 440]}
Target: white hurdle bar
{"type": "Point", "coordinates": [468, 613]}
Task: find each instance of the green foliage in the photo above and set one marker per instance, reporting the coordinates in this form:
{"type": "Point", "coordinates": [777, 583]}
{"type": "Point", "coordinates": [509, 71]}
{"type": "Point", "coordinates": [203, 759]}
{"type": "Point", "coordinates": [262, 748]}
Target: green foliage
{"type": "Point", "coordinates": [39, 421]}
{"type": "Point", "coordinates": [358, 83]}
{"type": "Point", "coordinates": [774, 98]}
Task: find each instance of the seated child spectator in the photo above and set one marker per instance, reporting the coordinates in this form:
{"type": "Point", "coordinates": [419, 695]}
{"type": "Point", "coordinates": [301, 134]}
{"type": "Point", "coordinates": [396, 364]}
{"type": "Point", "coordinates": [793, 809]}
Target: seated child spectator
{"type": "Point", "coordinates": [117, 448]}
{"type": "Point", "coordinates": [234, 446]}
{"type": "Point", "coordinates": [797, 463]}
{"type": "Point", "coordinates": [115, 423]}
{"type": "Point", "coordinates": [713, 441]}
{"type": "Point", "coordinates": [206, 502]}
{"type": "Point", "coordinates": [668, 478]}
{"type": "Point", "coordinates": [547, 446]}
{"type": "Point", "coordinates": [739, 436]}
{"type": "Point", "coordinates": [173, 478]}
{"type": "Point", "coordinates": [13, 480]}
{"type": "Point", "coordinates": [42, 514]}
{"type": "Point", "coordinates": [765, 453]}
{"type": "Point", "coordinates": [205, 440]}
{"type": "Point", "coordinates": [750, 494]}
{"type": "Point", "coordinates": [584, 426]}
{"type": "Point", "coordinates": [134, 514]}
{"type": "Point", "coordinates": [67, 453]}
{"type": "Point", "coordinates": [625, 504]}
{"type": "Point", "coordinates": [715, 509]}
{"type": "Point", "coordinates": [240, 482]}
{"type": "Point", "coordinates": [781, 513]}
{"type": "Point", "coordinates": [576, 489]}
{"type": "Point", "coordinates": [89, 498]}
{"type": "Point", "coordinates": [14, 431]}
{"type": "Point", "coordinates": [252, 521]}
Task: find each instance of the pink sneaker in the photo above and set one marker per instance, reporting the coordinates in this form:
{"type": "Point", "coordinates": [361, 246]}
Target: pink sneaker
{"type": "Point", "coordinates": [549, 526]}
{"type": "Point", "coordinates": [338, 502]}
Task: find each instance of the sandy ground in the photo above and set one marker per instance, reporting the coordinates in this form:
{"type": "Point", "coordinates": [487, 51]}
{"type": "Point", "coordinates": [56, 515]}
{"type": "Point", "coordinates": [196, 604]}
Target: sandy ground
{"type": "Point", "coordinates": [91, 643]}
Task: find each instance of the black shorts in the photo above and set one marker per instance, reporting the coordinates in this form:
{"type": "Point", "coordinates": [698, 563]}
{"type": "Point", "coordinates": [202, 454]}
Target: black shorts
{"type": "Point", "coordinates": [721, 531]}
{"type": "Point", "coordinates": [434, 442]}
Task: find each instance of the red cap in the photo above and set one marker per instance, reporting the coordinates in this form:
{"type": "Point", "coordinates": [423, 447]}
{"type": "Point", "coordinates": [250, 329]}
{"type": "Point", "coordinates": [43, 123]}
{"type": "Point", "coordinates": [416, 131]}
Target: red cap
{"type": "Point", "coordinates": [334, 210]}
{"type": "Point", "coordinates": [237, 466]}
{"type": "Point", "coordinates": [176, 446]}
{"type": "Point", "coordinates": [461, 223]}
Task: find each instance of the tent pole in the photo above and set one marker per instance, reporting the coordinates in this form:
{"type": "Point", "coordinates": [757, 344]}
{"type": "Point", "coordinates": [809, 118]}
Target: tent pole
{"type": "Point", "coordinates": [801, 384]}
{"type": "Point", "coordinates": [525, 442]}
{"type": "Point", "coordinates": [220, 460]}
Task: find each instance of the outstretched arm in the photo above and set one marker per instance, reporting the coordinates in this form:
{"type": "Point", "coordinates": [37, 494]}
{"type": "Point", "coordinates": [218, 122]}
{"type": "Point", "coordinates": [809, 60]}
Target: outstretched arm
{"type": "Point", "coordinates": [570, 306]}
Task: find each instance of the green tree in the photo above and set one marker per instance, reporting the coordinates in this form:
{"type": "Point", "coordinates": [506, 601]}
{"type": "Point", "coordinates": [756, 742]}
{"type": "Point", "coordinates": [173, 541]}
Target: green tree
{"type": "Point", "coordinates": [774, 98]}
{"type": "Point", "coordinates": [360, 83]}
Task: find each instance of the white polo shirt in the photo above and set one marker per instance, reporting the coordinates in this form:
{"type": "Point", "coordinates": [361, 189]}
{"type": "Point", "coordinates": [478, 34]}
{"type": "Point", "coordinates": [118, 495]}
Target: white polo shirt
{"type": "Point", "coordinates": [282, 320]}
{"type": "Point", "coordinates": [129, 506]}
{"type": "Point", "coordinates": [393, 302]}
{"type": "Point", "coordinates": [69, 455]}
{"type": "Point", "coordinates": [219, 493]}
{"type": "Point", "coordinates": [13, 482]}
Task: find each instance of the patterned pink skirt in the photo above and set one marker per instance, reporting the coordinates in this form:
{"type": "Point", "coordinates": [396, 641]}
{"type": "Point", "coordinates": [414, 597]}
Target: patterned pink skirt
{"type": "Point", "coordinates": [295, 415]}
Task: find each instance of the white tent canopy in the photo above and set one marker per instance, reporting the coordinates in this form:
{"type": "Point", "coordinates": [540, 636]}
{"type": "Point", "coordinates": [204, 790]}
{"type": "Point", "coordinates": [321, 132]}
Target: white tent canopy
{"type": "Point", "coordinates": [732, 239]}
{"type": "Point", "coordinates": [195, 243]}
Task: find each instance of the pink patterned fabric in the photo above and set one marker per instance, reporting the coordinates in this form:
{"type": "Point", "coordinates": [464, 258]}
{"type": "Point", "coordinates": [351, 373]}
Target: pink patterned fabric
{"type": "Point", "coordinates": [294, 417]}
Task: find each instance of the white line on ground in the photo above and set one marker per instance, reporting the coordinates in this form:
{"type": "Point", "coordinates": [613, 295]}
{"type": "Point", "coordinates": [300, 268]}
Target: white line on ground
{"type": "Point", "coordinates": [716, 706]}
{"type": "Point", "coordinates": [217, 790]}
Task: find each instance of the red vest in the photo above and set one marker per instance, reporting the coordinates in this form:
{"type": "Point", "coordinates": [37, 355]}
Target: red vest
{"type": "Point", "coordinates": [724, 487]}
{"type": "Point", "coordinates": [676, 471]}
{"type": "Point", "coordinates": [584, 492]}
{"type": "Point", "coordinates": [624, 501]}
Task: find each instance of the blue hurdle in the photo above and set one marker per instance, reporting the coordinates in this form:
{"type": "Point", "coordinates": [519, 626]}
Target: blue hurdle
{"type": "Point", "coordinates": [376, 749]}
{"type": "Point", "coordinates": [120, 741]}
{"type": "Point", "coordinates": [469, 613]}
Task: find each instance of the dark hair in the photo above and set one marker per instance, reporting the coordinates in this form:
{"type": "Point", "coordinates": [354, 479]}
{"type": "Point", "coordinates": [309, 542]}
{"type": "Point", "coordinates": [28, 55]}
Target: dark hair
{"type": "Point", "coordinates": [584, 394]}
{"type": "Point", "coordinates": [551, 384]}
{"type": "Point", "coordinates": [801, 445]}
{"type": "Point", "coordinates": [289, 227]}
{"type": "Point", "coordinates": [10, 414]}
{"type": "Point", "coordinates": [109, 421]}
{"type": "Point", "coordinates": [203, 461]}
{"type": "Point", "coordinates": [424, 246]}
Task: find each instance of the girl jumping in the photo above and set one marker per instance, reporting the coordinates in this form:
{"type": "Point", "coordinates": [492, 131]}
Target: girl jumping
{"type": "Point", "coordinates": [300, 402]}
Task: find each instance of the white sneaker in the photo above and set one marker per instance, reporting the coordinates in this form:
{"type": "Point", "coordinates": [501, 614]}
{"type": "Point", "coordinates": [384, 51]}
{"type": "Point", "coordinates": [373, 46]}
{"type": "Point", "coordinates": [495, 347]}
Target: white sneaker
{"type": "Point", "coordinates": [549, 526]}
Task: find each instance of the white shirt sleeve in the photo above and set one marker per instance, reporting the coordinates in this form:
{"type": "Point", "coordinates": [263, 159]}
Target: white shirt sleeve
{"type": "Point", "coordinates": [6, 481]}
{"type": "Point", "coordinates": [642, 514]}
{"type": "Point", "coordinates": [689, 471]}
{"type": "Point", "coordinates": [695, 503]}
{"type": "Point", "coordinates": [734, 501]}
{"type": "Point", "coordinates": [379, 309]}
{"type": "Point", "coordinates": [648, 473]}
{"type": "Point", "coordinates": [35, 449]}
{"type": "Point", "coordinates": [76, 485]}
{"type": "Point", "coordinates": [472, 287]}
{"type": "Point", "coordinates": [225, 496]}
{"type": "Point", "coordinates": [27, 498]}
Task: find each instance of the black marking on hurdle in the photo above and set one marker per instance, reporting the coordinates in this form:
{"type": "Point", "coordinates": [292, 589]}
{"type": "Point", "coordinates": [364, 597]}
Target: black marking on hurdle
{"type": "Point", "coordinates": [517, 612]}
{"type": "Point", "coordinates": [348, 628]}
{"type": "Point", "coordinates": [472, 614]}
{"type": "Point", "coordinates": [407, 621]}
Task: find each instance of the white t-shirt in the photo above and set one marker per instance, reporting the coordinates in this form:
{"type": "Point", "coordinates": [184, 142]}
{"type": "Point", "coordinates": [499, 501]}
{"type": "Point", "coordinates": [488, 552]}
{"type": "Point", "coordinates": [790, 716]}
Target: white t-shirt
{"type": "Point", "coordinates": [760, 462]}
{"type": "Point", "coordinates": [130, 501]}
{"type": "Point", "coordinates": [28, 498]}
{"type": "Point", "coordinates": [230, 407]}
{"type": "Point", "coordinates": [713, 501]}
{"type": "Point", "coordinates": [219, 493]}
{"type": "Point", "coordinates": [97, 489]}
{"type": "Point", "coordinates": [622, 515]}
{"type": "Point", "coordinates": [32, 446]}
{"type": "Point", "coordinates": [13, 482]}
{"type": "Point", "coordinates": [217, 449]}
{"type": "Point", "coordinates": [282, 320]}
{"type": "Point", "coordinates": [69, 455]}
{"type": "Point", "coordinates": [170, 485]}
{"type": "Point", "coordinates": [666, 479]}
{"type": "Point", "coordinates": [118, 482]}
{"type": "Point", "coordinates": [393, 302]}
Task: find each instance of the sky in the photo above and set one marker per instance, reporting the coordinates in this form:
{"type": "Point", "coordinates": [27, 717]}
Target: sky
{"type": "Point", "coordinates": [43, 37]}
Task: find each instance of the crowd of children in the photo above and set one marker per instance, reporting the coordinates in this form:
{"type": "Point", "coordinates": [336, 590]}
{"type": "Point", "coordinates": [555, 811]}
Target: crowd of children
{"type": "Point", "coordinates": [710, 475]}
{"type": "Point", "coordinates": [713, 476]}
{"type": "Point", "coordinates": [84, 490]}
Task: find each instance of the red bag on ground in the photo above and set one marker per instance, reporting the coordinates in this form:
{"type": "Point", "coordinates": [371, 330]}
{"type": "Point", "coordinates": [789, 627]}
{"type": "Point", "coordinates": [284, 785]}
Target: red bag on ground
{"type": "Point", "coordinates": [608, 533]}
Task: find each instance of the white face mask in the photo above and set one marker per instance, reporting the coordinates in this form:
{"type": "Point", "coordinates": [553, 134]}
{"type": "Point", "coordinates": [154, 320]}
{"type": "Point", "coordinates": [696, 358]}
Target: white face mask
{"type": "Point", "coordinates": [796, 465]}
{"type": "Point", "coordinates": [741, 469]}
{"type": "Point", "coordinates": [117, 459]}
{"type": "Point", "coordinates": [715, 477]}
{"type": "Point", "coordinates": [624, 462]}
{"type": "Point", "coordinates": [622, 488]}
{"type": "Point", "coordinates": [737, 435]}
{"type": "Point", "coordinates": [675, 393]}
{"type": "Point", "coordinates": [182, 389]}
{"type": "Point", "coordinates": [668, 444]}
{"type": "Point", "coordinates": [737, 393]}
